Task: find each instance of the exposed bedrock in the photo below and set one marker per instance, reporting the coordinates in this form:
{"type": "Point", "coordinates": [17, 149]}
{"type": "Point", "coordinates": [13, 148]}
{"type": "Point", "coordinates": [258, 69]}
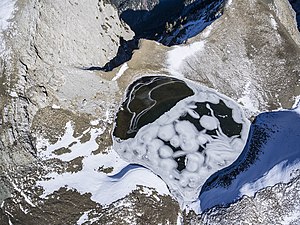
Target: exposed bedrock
{"type": "Point", "coordinates": [251, 54]}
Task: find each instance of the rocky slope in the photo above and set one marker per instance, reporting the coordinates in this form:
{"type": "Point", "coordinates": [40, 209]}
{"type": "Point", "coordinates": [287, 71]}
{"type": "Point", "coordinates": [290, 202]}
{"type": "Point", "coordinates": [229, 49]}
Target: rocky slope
{"type": "Point", "coordinates": [251, 53]}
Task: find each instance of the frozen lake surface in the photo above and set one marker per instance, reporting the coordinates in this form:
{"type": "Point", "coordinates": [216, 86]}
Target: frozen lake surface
{"type": "Point", "coordinates": [181, 131]}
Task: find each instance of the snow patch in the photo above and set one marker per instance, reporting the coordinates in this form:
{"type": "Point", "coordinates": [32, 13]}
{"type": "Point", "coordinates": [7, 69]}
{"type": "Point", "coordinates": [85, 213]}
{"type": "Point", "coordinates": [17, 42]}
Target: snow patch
{"type": "Point", "coordinates": [296, 105]}
{"type": "Point", "coordinates": [122, 70]}
{"type": "Point", "coordinates": [55, 106]}
{"type": "Point", "coordinates": [229, 2]}
{"type": "Point", "coordinates": [26, 198]}
{"type": "Point", "coordinates": [179, 54]}
{"type": "Point", "coordinates": [292, 217]}
{"type": "Point", "coordinates": [90, 179]}
{"type": "Point", "coordinates": [280, 173]}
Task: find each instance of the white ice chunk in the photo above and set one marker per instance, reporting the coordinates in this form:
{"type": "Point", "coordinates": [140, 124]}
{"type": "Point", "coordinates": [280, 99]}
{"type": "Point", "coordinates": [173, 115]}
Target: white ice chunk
{"type": "Point", "coordinates": [168, 164]}
{"type": "Point", "coordinates": [188, 143]}
{"type": "Point", "coordinates": [209, 122]}
{"type": "Point", "coordinates": [154, 145]}
{"type": "Point", "coordinates": [237, 144]}
{"type": "Point", "coordinates": [165, 152]}
{"type": "Point", "coordinates": [148, 135]}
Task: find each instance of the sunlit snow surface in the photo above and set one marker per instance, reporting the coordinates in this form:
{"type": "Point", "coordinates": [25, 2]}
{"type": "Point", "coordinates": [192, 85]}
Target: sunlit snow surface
{"type": "Point", "coordinates": [7, 8]}
{"type": "Point", "coordinates": [195, 136]}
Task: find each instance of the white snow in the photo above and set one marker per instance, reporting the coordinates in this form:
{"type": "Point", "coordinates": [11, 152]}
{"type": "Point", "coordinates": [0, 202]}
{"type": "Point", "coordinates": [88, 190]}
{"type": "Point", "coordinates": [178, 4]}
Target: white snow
{"type": "Point", "coordinates": [219, 151]}
{"type": "Point", "coordinates": [293, 217]}
{"type": "Point", "coordinates": [94, 122]}
{"type": "Point", "coordinates": [206, 32]}
{"type": "Point", "coordinates": [122, 70]}
{"type": "Point", "coordinates": [84, 218]}
{"type": "Point", "coordinates": [278, 174]}
{"type": "Point", "coordinates": [13, 94]}
{"type": "Point", "coordinates": [7, 8]}
{"type": "Point", "coordinates": [247, 99]}
{"type": "Point", "coordinates": [273, 22]}
{"type": "Point", "coordinates": [104, 189]}
{"type": "Point", "coordinates": [229, 2]}
{"type": "Point", "coordinates": [209, 122]}
{"type": "Point", "coordinates": [55, 106]}
{"type": "Point", "coordinates": [296, 105]}
{"type": "Point", "coordinates": [26, 198]}
{"type": "Point", "coordinates": [180, 53]}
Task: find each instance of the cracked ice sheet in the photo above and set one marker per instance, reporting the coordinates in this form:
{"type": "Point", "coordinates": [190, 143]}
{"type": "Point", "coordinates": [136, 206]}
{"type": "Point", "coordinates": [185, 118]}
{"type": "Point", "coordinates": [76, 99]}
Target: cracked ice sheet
{"type": "Point", "coordinates": [104, 189]}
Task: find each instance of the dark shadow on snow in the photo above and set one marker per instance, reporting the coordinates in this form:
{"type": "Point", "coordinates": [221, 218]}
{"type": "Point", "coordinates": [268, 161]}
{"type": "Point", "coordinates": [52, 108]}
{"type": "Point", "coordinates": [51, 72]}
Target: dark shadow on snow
{"type": "Point", "coordinates": [169, 23]}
